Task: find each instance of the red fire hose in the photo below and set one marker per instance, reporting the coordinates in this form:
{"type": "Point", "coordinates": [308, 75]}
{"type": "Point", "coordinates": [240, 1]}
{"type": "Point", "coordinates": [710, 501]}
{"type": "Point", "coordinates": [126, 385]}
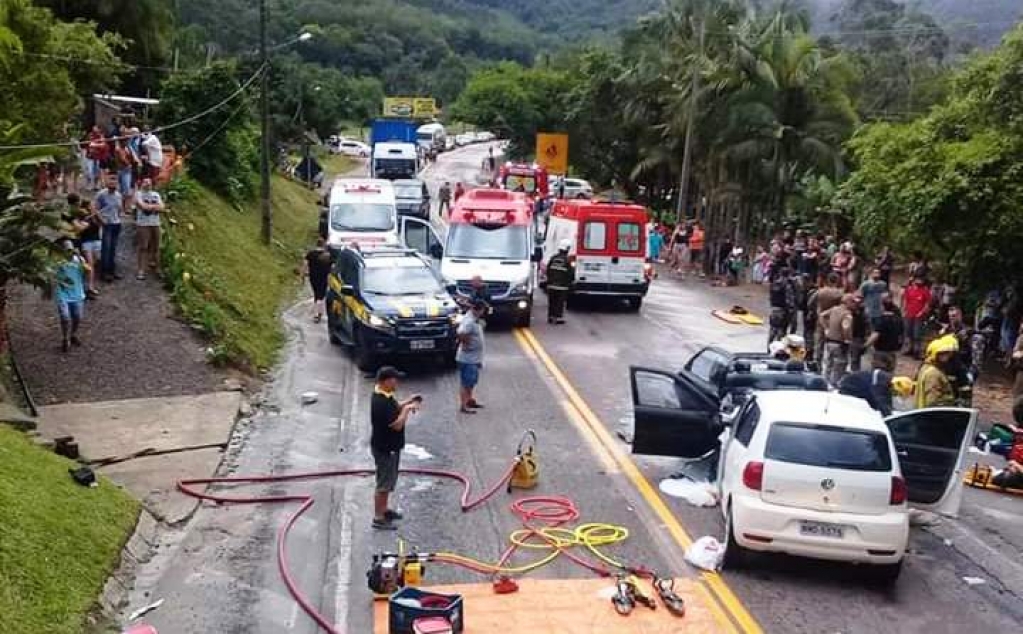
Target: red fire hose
{"type": "Point", "coordinates": [552, 511]}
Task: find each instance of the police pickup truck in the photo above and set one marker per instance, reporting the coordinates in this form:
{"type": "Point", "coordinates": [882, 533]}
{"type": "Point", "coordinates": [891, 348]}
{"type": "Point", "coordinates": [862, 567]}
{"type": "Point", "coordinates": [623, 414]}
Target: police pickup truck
{"type": "Point", "coordinates": [387, 302]}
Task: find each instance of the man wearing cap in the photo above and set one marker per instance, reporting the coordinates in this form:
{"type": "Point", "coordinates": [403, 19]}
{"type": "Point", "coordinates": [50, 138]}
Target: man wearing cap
{"type": "Point", "coordinates": [388, 417]}
{"type": "Point", "coordinates": [559, 278]}
{"type": "Point", "coordinates": [469, 356]}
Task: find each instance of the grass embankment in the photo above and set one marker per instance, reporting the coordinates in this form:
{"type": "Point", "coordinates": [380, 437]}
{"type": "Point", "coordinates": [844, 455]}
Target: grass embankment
{"type": "Point", "coordinates": [225, 281]}
{"type": "Point", "coordinates": [59, 541]}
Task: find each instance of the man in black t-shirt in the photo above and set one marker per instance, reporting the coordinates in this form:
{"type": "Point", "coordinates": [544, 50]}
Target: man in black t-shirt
{"type": "Point", "coordinates": [887, 336]}
{"type": "Point", "coordinates": [388, 417]}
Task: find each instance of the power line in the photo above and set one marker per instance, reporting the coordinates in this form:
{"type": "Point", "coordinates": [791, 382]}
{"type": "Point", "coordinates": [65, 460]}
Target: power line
{"type": "Point", "coordinates": [169, 126]}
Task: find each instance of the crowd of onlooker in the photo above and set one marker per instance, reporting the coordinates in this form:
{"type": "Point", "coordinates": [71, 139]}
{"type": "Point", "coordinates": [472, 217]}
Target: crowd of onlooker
{"type": "Point", "coordinates": [846, 304]}
{"type": "Point", "coordinates": [120, 166]}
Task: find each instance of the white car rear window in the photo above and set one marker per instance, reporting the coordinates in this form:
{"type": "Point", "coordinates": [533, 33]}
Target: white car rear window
{"type": "Point", "coordinates": [828, 446]}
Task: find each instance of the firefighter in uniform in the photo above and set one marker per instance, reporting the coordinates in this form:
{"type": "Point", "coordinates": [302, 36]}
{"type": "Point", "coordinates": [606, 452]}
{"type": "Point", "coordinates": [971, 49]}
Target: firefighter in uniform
{"type": "Point", "coordinates": [560, 275]}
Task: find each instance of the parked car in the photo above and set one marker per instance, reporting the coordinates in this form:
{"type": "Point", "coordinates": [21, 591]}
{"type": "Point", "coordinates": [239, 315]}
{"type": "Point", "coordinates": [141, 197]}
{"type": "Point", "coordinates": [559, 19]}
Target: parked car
{"type": "Point", "coordinates": [349, 147]}
{"type": "Point", "coordinates": [813, 474]}
{"type": "Point", "coordinates": [413, 198]}
{"type": "Point", "coordinates": [465, 139]}
{"type": "Point", "coordinates": [576, 188]}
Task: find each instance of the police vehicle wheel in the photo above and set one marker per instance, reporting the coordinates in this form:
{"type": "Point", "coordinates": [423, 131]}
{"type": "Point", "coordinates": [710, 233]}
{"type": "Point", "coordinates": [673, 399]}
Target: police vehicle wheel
{"type": "Point", "coordinates": [525, 319]}
{"type": "Point", "coordinates": [635, 303]}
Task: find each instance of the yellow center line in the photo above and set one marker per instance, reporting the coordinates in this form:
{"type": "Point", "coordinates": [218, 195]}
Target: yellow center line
{"type": "Point", "coordinates": [596, 428]}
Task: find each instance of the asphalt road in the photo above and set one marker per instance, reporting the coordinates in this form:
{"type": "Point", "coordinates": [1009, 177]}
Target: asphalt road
{"type": "Point", "coordinates": [218, 572]}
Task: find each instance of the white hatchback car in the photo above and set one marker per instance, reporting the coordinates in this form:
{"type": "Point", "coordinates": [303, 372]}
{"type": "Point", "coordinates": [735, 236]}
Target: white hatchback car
{"type": "Point", "coordinates": [813, 474]}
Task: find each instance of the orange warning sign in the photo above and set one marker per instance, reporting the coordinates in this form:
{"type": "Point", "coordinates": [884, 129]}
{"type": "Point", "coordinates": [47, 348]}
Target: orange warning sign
{"type": "Point", "coordinates": [552, 152]}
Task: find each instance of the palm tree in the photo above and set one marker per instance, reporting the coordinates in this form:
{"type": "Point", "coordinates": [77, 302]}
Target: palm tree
{"type": "Point", "coordinates": [793, 111]}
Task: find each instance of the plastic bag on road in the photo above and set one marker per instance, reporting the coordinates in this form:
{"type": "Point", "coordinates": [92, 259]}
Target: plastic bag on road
{"type": "Point", "coordinates": [706, 553]}
{"type": "Point", "coordinates": [696, 493]}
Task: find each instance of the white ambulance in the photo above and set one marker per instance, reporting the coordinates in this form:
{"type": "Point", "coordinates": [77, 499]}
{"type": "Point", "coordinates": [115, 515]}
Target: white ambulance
{"type": "Point", "coordinates": [609, 245]}
{"type": "Point", "coordinates": [362, 211]}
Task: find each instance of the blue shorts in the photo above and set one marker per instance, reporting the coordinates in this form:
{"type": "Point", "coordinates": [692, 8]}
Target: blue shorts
{"type": "Point", "coordinates": [124, 178]}
{"type": "Point", "coordinates": [70, 310]}
{"type": "Point", "coordinates": [469, 374]}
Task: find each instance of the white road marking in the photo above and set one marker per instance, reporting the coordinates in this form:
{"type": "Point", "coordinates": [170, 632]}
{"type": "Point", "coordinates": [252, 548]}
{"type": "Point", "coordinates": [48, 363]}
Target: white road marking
{"type": "Point", "coordinates": [344, 561]}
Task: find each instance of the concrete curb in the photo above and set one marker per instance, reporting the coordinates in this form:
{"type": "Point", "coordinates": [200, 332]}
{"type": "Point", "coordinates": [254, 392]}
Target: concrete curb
{"type": "Point", "coordinates": [137, 550]}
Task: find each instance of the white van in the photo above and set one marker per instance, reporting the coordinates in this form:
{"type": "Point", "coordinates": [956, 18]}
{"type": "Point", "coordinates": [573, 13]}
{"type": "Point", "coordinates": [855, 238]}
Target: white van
{"type": "Point", "coordinates": [394, 161]}
{"type": "Point", "coordinates": [362, 210]}
{"type": "Point", "coordinates": [431, 136]}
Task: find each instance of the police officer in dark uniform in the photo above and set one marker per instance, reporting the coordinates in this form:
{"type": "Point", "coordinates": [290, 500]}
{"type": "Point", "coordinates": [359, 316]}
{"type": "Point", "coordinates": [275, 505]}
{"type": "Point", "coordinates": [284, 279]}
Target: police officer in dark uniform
{"type": "Point", "coordinates": [783, 304]}
{"type": "Point", "coordinates": [560, 275]}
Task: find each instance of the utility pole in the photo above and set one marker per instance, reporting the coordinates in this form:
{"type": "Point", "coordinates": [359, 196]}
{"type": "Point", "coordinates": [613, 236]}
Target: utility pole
{"type": "Point", "coordinates": [264, 123]}
{"type": "Point", "coordinates": [687, 152]}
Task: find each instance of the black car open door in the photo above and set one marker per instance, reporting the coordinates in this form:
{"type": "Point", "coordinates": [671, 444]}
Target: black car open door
{"type": "Point", "coordinates": [675, 414]}
{"type": "Point", "coordinates": [932, 446]}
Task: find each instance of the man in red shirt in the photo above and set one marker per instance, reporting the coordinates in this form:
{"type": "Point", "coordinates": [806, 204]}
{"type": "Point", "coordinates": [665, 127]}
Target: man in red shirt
{"type": "Point", "coordinates": [916, 302]}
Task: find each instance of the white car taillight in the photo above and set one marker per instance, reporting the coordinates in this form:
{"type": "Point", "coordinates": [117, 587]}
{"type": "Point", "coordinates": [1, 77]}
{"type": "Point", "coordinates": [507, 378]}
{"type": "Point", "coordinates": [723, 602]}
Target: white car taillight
{"type": "Point", "coordinates": [753, 475]}
{"type": "Point", "coordinates": [899, 492]}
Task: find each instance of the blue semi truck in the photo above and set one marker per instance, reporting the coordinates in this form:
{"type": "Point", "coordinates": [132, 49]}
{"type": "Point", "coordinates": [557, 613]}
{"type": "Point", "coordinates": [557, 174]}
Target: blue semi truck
{"type": "Point", "coordinates": [394, 153]}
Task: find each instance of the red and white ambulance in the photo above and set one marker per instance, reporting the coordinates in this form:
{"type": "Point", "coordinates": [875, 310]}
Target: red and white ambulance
{"type": "Point", "coordinates": [491, 234]}
{"type": "Point", "coordinates": [609, 244]}
{"type": "Point", "coordinates": [529, 179]}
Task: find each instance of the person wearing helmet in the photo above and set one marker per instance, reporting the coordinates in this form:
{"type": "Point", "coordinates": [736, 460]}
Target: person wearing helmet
{"type": "Point", "coordinates": [560, 275]}
{"type": "Point", "coordinates": [933, 387]}
{"type": "Point", "coordinates": [874, 386]}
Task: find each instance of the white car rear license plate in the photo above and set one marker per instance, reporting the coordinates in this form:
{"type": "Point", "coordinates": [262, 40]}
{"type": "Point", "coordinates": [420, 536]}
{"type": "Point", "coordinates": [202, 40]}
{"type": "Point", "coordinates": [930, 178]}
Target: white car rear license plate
{"type": "Point", "coordinates": [822, 529]}
{"type": "Point", "coordinates": [422, 344]}
{"type": "Point", "coordinates": [589, 266]}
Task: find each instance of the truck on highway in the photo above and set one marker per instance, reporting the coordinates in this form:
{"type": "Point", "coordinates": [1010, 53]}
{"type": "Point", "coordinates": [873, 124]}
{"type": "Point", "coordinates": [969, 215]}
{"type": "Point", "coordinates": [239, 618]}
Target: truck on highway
{"type": "Point", "coordinates": [394, 153]}
{"type": "Point", "coordinates": [432, 137]}
{"type": "Point", "coordinates": [528, 178]}
{"type": "Point", "coordinates": [490, 234]}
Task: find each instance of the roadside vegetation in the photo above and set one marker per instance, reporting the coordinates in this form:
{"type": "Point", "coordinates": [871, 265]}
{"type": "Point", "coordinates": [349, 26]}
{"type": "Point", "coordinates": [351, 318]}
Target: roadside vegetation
{"type": "Point", "coordinates": [59, 541]}
{"type": "Point", "coordinates": [227, 284]}
{"type": "Point", "coordinates": [881, 132]}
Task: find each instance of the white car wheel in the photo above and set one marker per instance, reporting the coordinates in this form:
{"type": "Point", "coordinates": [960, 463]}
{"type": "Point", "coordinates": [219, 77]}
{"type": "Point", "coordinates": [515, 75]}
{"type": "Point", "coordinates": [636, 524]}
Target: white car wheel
{"type": "Point", "coordinates": [735, 555]}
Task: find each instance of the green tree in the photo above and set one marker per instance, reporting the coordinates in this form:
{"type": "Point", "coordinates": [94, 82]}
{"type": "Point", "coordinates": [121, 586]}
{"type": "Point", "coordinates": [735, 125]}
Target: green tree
{"type": "Point", "coordinates": [221, 148]}
{"type": "Point", "coordinates": [518, 102]}
{"type": "Point", "coordinates": [950, 183]}
{"type": "Point", "coordinates": [146, 25]}
{"type": "Point", "coordinates": [41, 88]}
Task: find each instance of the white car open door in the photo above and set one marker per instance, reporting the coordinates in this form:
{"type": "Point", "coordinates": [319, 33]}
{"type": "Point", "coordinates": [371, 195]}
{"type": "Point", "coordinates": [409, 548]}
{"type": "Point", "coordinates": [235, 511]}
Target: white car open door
{"type": "Point", "coordinates": [932, 446]}
{"type": "Point", "coordinates": [420, 235]}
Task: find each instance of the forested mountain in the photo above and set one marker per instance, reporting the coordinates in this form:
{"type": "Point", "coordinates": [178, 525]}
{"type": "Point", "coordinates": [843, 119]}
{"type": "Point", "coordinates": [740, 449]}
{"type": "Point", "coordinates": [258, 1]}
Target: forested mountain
{"type": "Point", "coordinates": [568, 19]}
{"type": "Point", "coordinates": [421, 47]}
{"type": "Point", "coordinates": [977, 22]}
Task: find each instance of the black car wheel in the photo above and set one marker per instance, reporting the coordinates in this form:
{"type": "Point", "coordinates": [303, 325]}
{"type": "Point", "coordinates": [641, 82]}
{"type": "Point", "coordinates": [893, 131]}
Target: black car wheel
{"type": "Point", "coordinates": [364, 357]}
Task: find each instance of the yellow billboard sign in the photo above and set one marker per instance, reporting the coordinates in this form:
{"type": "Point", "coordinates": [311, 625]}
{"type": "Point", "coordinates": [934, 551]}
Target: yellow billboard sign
{"type": "Point", "coordinates": [416, 107]}
{"type": "Point", "coordinates": [552, 152]}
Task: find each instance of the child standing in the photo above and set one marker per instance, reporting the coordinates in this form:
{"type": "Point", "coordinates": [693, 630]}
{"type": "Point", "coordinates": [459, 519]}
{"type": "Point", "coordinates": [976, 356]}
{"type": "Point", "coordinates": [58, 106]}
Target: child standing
{"type": "Point", "coordinates": [69, 292]}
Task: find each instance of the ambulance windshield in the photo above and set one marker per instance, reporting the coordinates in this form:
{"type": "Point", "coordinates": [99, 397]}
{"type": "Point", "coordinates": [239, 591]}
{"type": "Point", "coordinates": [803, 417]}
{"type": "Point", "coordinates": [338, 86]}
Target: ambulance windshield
{"type": "Point", "coordinates": [500, 242]}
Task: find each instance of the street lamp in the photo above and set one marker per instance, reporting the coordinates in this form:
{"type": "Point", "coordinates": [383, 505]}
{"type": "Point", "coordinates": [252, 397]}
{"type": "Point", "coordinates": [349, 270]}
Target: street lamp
{"type": "Point", "coordinates": [264, 120]}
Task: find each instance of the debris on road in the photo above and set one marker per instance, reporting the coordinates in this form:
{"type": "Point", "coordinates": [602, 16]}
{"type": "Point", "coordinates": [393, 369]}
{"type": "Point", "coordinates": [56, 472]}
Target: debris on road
{"type": "Point", "coordinates": [145, 610]}
{"type": "Point", "coordinates": [308, 398]}
{"type": "Point", "coordinates": [692, 491]}
{"type": "Point", "coordinates": [706, 553]}
{"type": "Point", "coordinates": [974, 581]}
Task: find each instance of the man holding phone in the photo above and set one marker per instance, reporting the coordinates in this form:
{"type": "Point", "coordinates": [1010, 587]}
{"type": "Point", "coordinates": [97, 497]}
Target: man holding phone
{"type": "Point", "coordinates": [388, 417]}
